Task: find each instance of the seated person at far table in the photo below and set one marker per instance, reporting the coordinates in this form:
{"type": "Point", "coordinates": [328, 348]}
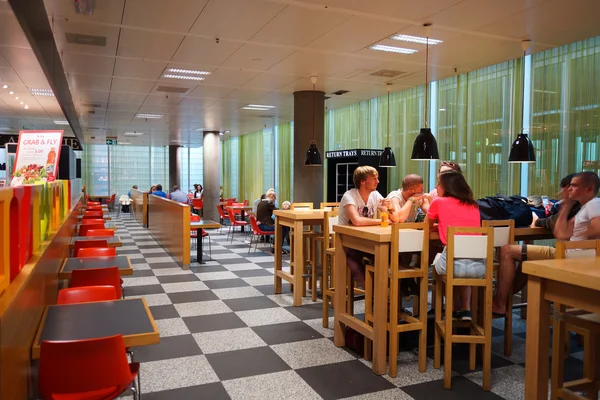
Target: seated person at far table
{"type": "Point", "coordinates": [358, 208]}
{"type": "Point", "coordinates": [586, 225]}
{"type": "Point", "coordinates": [158, 192]}
{"type": "Point", "coordinates": [178, 195]}
{"type": "Point", "coordinates": [550, 221]}
{"type": "Point", "coordinates": [265, 217]}
{"type": "Point", "coordinates": [407, 200]}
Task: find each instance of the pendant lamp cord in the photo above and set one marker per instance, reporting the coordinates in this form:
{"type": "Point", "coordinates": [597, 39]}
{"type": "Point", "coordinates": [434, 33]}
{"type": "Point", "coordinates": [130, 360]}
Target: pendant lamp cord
{"type": "Point", "coordinates": [426, 79]}
{"type": "Point", "coordinates": [388, 117]}
{"type": "Point", "coordinates": [313, 114]}
{"type": "Point", "coordinates": [523, 94]}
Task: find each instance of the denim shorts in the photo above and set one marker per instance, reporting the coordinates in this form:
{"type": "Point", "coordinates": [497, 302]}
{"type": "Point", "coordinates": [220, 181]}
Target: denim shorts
{"type": "Point", "coordinates": [463, 267]}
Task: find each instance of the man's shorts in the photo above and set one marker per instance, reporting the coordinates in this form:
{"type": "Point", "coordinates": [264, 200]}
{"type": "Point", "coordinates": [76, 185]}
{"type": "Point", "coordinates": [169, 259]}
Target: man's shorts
{"type": "Point", "coordinates": [531, 252]}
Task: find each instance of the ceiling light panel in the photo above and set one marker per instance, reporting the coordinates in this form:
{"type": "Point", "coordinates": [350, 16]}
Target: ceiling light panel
{"type": "Point", "coordinates": [392, 49]}
{"type": "Point", "coordinates": [42, 92]}
{"type": "Point", "coordinates": [61, 122]}
{"type": "Point", "coordinates": [260, 106]}
{"type": "Point", "coordinates": [185, 77]}
{"type": "Point", "coordinates": [149, 116]}
{"type": "Point", "coordinates": [133, 133]}
{"type": "Point", "coordinates": [256, 108]}
{"type": "Point", "coordinates": [187, 71]}
{"type": "Point", "coordinates": [416, 39]}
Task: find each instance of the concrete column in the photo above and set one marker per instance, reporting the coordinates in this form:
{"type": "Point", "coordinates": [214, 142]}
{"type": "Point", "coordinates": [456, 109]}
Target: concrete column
{"type": "Point", "coordinates": [174, 168]}
{"type": "Point", "coordinates": [309, 114]}
{"type": "Point", "coordinates": [212, 174]}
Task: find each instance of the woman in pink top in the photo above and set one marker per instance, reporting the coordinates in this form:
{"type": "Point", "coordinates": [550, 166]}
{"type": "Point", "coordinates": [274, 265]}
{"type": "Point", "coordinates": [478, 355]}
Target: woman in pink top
{"type": "Point", "coordinates": [456, 206]}
{"type": "Point", "coordinates": [445, 166]}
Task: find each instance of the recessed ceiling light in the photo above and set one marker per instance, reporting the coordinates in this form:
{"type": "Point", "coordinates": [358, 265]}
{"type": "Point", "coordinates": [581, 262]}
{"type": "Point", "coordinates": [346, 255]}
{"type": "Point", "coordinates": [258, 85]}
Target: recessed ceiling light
{"type": "Point", "coordinates": [255, 108]}
{"type": "Point", "coordinates": [227, 131]}
{"type": "Point", "coordinates": [149, 116]}
{"type": "Point", "coordinates": [221, 133]}
{"type": "Point", "coordinates": [188, 71]}
{"type": "Point", "coordinates": [133, 133]}
{"type": "Point", "coordinates": [26, 106]}
{"type": "Point", "coordinates": [42, 92]}
{"type": "Point", "coordinates": [21, 103]}
{"type": "Point", "coordinates": [260, 106]}
{"type": "Point", "coordinates": [17, 98]}
{"type": "Point", "coordinates": [11, 92]}
{"type": "Point", "coordinates": [416, 39]}
{"type": "Point", "coordinates": [4, 86]}
{"type": "Point", "coordinates": [61, 122]}
{"type": "Point", "coordinates": [392, 49]}
{"type": "Point", "coordinates": [185, 77]}
{"type": "Point", "coordinates": [256, 59]}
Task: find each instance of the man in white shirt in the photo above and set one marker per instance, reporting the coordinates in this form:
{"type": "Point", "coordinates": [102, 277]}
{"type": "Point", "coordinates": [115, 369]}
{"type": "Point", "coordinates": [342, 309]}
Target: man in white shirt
{"type": "Point", "coordinates": [586, 225]}
{"type": "Point", "coordinates": [358, 207]}
{"type": "Point", "coordinates": [407, 200]}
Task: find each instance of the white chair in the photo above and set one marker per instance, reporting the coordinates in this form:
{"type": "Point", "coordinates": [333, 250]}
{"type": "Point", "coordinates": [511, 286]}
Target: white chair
{"type": "Point", "coordinates": [124, 200]}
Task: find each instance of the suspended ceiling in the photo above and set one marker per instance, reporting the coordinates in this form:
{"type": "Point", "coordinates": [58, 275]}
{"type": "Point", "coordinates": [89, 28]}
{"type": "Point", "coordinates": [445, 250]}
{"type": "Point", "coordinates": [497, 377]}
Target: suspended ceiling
{"type": "Point", "coordinates": [266, 50]}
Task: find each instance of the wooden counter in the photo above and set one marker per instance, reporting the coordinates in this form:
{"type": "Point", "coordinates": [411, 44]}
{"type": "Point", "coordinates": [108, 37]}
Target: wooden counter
{"type": "Point", "coordinates": [169, 223]}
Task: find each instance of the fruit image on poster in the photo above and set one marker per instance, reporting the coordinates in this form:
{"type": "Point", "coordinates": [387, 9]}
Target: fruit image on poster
{"type": "Point", "coordinates": [37, 158]}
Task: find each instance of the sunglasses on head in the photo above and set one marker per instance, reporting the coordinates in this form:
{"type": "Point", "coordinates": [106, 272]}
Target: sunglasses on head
{"type": "Point", "coordinates": [448, 164]}
{"type": "Point", "coordinates": [365, 211]}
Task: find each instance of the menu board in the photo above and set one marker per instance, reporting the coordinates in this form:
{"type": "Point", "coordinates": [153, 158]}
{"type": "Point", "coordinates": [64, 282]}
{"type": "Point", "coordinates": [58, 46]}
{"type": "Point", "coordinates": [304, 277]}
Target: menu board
{"type": "Point", "coordinates": [38, 153]}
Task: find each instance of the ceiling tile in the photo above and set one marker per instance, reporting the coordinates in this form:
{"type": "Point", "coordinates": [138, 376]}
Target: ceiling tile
{"type": "Point", "coordinates": [109, 11]}
{"type": "Point", "coordinates": [246, 95]}
{"type": "Point", "coordinates": [145, 44]}
{"type": "Point", "coordinates": [127, 97]}
{"type": "Point", "coordinates": [296, 26]}
{"type": "Point", "coordinates": [204, 51]}
{"type": "Point", "coordinates": [172, 15]}
{"type": "Point", "coordinates": [9, 76]}
{"type": "Point", "coordinates": [89, 82]}
{"type": "Point", "coordinates": [128, 68]}
{"type": "Point", "coordinates": [308, 63]}
{"type": "Point", "coordinates": [257, 57]}
{"type": "Point", "coordinates": [11, 33]}
{"type": "Point", "coordinates": [88, 64]}
{"type": "Point", "coordinates": [33, 79]}
{"type": "Point", "coordinates": [270, 81]}
{"type": "Point", "coordinates": [62, 27]}
{"type": "Point", "coordinates": [19, 58]}
{"type": "Point", "coordinates": [411, 10]}
{"type": "Point", "coordinates": [228, 77]}
{"type": "Point", "coordinates": [210, 92]}
{"type": "Point", "coordinates": [92, 96]}
{"type": "Point", "coordinates": [132, 85]}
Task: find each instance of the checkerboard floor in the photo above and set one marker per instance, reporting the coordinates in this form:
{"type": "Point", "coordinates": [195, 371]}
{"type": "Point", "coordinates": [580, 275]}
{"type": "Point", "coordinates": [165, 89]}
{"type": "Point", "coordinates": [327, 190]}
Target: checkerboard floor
{"type": "Point", "coordinates": [224, 335]}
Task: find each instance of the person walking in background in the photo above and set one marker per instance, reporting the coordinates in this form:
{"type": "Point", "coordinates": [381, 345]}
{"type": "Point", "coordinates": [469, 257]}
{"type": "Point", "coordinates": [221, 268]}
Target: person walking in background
{"type": "Point", "coordinates": [178, 195]}
{"type": "Point", "coordinates": [158, 191]}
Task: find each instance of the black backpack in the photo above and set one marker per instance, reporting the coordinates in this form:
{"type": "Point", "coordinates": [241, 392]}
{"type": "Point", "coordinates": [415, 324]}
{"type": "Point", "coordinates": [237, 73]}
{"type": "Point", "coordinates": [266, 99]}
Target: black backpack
{"type": "Point", "coordinates": [504, 207]}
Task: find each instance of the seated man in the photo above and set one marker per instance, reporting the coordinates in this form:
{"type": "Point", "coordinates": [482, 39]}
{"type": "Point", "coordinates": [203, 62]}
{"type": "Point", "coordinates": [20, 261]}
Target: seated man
{"type": "Point", "coordinates": [358, 207]}
{"type": "Point", "coordinates": [406, 201]}
{"type": "Point", "coordinates": [265, 217]}
{"type": "Point", "coordinates": [158, 192]}
{"type": "Point", "coordinates": [586, 225]}
{"type": "Point", "coordinates": [550, 221]}
{"type": "Point", "coordinates": [178, 195]}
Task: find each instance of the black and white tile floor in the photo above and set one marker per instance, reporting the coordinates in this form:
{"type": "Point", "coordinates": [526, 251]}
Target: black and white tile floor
{"type": "Point", "coordinates": [225, 335]}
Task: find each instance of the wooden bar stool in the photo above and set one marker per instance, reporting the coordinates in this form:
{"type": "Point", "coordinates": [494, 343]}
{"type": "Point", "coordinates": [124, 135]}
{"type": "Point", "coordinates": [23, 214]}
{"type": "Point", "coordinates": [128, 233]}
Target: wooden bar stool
{"type": "Point", "coordinates": [581, 322]}
{"type": "Point", "coordinates": [406, 238]}
{"type": "Point", "coordinates": [310, 247]}
{"type": "Point", "coordinates": [462, 244]}
{"type": "Point", "coordinates": [329, 206]}
{"type": "Point", "coordinates": [504, 233]}
{"type": "Point", "coordinates": [330, 219]}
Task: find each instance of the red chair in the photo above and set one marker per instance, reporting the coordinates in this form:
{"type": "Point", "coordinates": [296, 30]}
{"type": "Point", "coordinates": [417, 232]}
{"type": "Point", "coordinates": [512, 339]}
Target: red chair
{"type": "Point", "coordinates": [86, 369]}
{"type": "Point", "coordinates": [198, 205]}
{"type": "Point", "coordinates": [84, 229]}
{"type": "Point", "coordinates": [97, 252]}
{"type": "Point", "coordinates": [83, 244]}
{"type": "Point", "coordinates": [194, 234]}
{"type": "Point", "coordinates": [223, 216]}
{"type": "Point", "coordinates": [246, 202]}
{"type": "Point", "coordinates": [101, 232]}
{"type": "Point", "coordinates": [95, 214]}
{"type": "Point", "coordinates": [97, 276]}
{"type": "Point", "coordinates": [93, 203]}
{"type": "Point", "coordinates": [233, 223]}
{"type": "Point", "coordinates": [111, 202]}
{"type": "Point", "coordinates": [86, 294]}
{"type": "Point", "coordinates": [229, 200]}
{"type": "Point", "coordinates": [257, 232]}
{"type": "Point", "coordinates": [88, 221]}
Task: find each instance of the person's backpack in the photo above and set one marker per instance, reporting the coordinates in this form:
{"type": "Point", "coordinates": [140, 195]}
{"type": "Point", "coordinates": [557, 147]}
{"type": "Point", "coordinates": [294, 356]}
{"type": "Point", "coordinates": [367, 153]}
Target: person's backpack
{"type": "Point", "coordinates": [504, 207]}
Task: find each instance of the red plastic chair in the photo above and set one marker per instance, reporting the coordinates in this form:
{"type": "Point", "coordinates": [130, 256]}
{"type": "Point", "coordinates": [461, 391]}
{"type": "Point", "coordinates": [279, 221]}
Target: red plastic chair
{"type": "Point", "coordinates": [86, 294]}
{"type": "Point", "coordinates": [257, 232]}
{"type": "Point", "coordinates": [93, 203]}
{"type": "Point", "coordinates": [84, 229]}
{"type": "Point", "coordinates": [86, 369]}
{"type": "Point", "coordinates": [97, 276]}
{"type": "Point", "coordinates": [246, 202]}
{"type": "Point", "coordinates": [197, 204]}
{"type": "Point", "coordinates": [111, 202]}
{"type": "Point", "coordinates": [223, 216]}
{"type": "Point", "coordinates": [97, 252]}
{"type": "Point", "coordinates": [194, 234]}
{"type": "Point", "coordinates": [93, 214]}
{"type": "Point", "coordinates": [233, 223]}
{"type": "Point", "coordinates": [88, 221]}
{"type": "Point", "coordinates": [101, 232]}
{"type": "Point", "coordinates": [93, 208]}
{"type": "Point", "coordinates": [83, 244]}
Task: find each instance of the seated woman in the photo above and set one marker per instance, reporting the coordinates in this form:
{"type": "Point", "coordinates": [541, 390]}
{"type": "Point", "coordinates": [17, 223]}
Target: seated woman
{"type": "Point", "coordinates": [456, 206]}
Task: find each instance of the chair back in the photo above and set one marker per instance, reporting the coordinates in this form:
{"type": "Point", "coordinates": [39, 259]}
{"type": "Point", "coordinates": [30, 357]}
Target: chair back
{"type": "Point", "coordinates": [328, 206]}
{"type": "Point", "coordinates": [94, 208]}
{"type": "Point", "coordinates": [577, 248]}
{"type": "Point", "coordinates": [97, 252]}
{"type": "Point", "coordinates": [198, 204]}
{"type": "Point", "coordinates": [221, 212]}
{"type": "Point", "coordinates": [83, 244]}
{"type": "Point", "coordinates": [231, 217]}
{"type": "Point", "coordinates": [254, 225]}
{"type": "Point", "coordinates": [67, 367]}
{"type": "Point", "coordinates": [85, 229]}
{"type": "Point", "coordinates": [468, 242]}
{"type": "Point", "coordinates": [86, 294]}
{"type": "Point", "coordinates": [97, 276]}
{"type": "Point", "coordinates": [93, 203]}
{"type": "Point", "coordinates": [195, 218]}
{"type": "Point", "coordinates": [504, 231]}
{"type": "Point", "coordinates": [246, 202]}
{"type": "Point", "coordinates": [330, 218]}
{"type": "Point", "coordinates": [101, 232]}
{"type": "Point", "coordinates": [112, 198]}
{"type": "Point", "coordinates": [232, 199]}
{"type": "Point", "coordinates": [99, 214]}
{"type": "Point", "coordinates": [301, 206]}
{"type": "Point", "coordinates": [91, 221]}
{"type": "Point", "coordinates": [410, 237]}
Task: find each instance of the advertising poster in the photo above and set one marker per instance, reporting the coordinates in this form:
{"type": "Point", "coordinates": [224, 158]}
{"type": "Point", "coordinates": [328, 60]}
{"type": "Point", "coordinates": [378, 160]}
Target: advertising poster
{"type": "Point", "coordinates": [38, 153]}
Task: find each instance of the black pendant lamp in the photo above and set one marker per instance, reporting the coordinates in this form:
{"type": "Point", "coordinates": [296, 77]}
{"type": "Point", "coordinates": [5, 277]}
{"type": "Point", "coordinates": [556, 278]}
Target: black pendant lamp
{"type": "Point", "coordinates": [522, 150]}
{"type": "Point", "coordinates": [425, 146]}
{"type": "Point", "coordinates": [387, 158]}
{"type": "Point", "coordinates": [313, 155]}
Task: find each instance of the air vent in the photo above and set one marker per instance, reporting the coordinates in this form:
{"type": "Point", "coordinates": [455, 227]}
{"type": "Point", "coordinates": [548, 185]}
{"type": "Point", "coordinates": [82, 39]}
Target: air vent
{"type": "Point", "coordinates": [92, 105]}
{"type": "Point", "coordinates": [388, 73]}
{"type": "Point", "coordinates": [76, 38]}
{"type": "Point", "coordinates": [340, 92]}
{"type": "Point", "coordinates": [266, 116]}
{"type": "Point", "coordinates": [172, 89]}
{"type": "Point", "coordinates": [91, 112]}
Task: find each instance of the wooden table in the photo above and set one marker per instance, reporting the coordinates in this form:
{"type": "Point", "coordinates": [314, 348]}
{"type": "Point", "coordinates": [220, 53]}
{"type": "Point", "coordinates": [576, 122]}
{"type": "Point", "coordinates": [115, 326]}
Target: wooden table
{"type": "Point", "coordinates": [130, 318]}
{"type": "Point", "coordinates": [199, 225]}
{"type": "Point", "coordinates": [296, 220]}
{"type": "Point", "coordinates": [121, 262]}
{"type": "Point", "coordinates": [572, 282]}
{"type": "Point", "coordinates": [113, 241]}
{"type": "Point", "coordinates": [243, 209]}
{"type": "Point", "coordinates": [373, 240]}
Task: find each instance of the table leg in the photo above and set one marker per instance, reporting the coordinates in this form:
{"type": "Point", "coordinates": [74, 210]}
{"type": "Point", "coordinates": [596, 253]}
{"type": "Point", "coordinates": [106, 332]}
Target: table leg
{"type": "Point", "coordinates": [538, 341]}
{"type": "Point", "coordinates": [339, 296]}
{"type": "Point", "coordinates": [278, 261]}
{"type": "Point", "coordinates": [199, 247]}
{"type": "Point", "coordinates": [298, 262]}
{"type": "Point", "coordinates": [243, 218]}
{"type": "Point", "coordinates": [380, 309]}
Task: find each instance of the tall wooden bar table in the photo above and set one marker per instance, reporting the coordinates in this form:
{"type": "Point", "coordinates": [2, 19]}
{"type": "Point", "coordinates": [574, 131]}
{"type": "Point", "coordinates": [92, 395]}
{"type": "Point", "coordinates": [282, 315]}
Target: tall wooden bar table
{"type": "Point", "coordinates": [373, 240]}
{"type": "Point", "coordinates": [295, 220]}
{"type": "Point", "coordinates": [572, 282]}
